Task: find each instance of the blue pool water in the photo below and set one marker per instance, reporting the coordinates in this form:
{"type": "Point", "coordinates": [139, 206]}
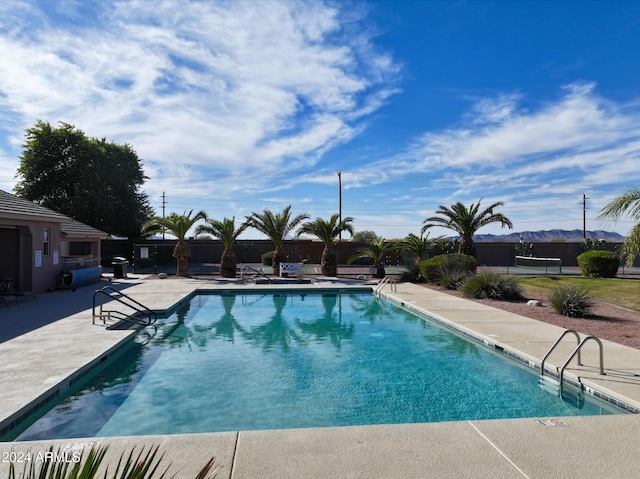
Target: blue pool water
{"type": "Point", "coordinates": [247, 362]}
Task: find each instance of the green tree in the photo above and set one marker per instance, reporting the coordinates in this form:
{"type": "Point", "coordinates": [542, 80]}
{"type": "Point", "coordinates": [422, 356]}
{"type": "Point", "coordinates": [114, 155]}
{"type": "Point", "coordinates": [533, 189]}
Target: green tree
{"type": "Point", "coordinates": [178, 226]}
{"type": "Point", "coordinates": [419, 246]}
{"type": "Point", "coordinates": [466, 221]}
{"type": "Point", "coordinates": [276, 227]}
{"type": "Point", "coordinates": [375, 251]}
{"type": "Point", "coordinates": [328, 231]}
{"type": "Point", "coordinates": [365, 236]}
{"type": "Point", "coordinates": [227, 233]}
{"type": "Point", "coordinates": [627, 204]}
{"type": "Point", "coordinates": [93, 181]}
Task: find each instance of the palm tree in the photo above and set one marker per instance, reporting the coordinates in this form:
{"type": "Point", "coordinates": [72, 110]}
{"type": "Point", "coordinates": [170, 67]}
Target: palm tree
{"type": "Point", "coordinates": [375, 251]}
{"type": "Point", "coordinates": [466, 221]}
{"type": "Point", "coordinates": [276, 227]}
{"type": "Point", "coordinates": [227, 233]}
{"type": "Point", "coordinates": [627, 204]}
{"type": "Point", "coordinates": [178, 226]}
{"type": "Point", "coordinates": [327, 231]}
{"type": "Point", "coordinates": [417, 245]}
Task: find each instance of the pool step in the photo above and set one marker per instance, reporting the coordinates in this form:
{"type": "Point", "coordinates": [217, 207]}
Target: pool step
{"type": "Point", "coordinates": [570, 394]}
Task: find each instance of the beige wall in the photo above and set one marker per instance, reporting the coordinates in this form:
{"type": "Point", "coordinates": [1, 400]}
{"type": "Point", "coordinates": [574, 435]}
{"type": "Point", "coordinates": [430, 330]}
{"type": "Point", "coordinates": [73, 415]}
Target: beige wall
{"type": "Point", "coordinates": [37, 268]}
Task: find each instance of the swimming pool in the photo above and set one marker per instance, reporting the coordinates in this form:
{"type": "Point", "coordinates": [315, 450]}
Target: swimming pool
{"type": "Point", "coordinates": [272, 361]}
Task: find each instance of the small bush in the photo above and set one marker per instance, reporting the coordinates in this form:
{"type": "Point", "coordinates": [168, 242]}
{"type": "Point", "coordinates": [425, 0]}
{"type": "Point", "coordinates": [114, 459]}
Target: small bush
{"type": "Point", "coordinates": [453, 276]}
{"type": "Point", "coordinates": [599, 264]}
{"type": "Point", "coordinates": [412, 274]}
{"type": "Point", "coordinates": [492, 286]}
{"type": "Point", "coordinates": [267, 258]}
{"type": "Point", "coordinates": [431, 268]}
{"type": "Point", "coordinates": [571, 300]}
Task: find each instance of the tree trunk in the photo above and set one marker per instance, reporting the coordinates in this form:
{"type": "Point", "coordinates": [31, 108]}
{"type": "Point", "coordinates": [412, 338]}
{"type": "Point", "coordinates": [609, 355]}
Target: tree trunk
{"type": "Point", "coordinates": [182, 253]}
{"type": "Point", "coordinates": [228, 263]}
{"type": "Point", "coordinates": [329, 261]}
{"type": "Point", "coordinates": [380, 271]}
{"type": "Point", "coordinates": [278, 257]}
{"type": "Point", "coordinates": [467, 246]}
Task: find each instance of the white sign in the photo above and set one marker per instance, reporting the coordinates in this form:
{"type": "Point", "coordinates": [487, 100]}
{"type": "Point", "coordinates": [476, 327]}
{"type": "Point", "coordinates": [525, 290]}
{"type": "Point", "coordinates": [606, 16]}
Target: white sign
{"type": "Point", "coordinates": [56, 255]}
{"type": "Point", "coordinates": [38, 258]}
{"type": "Point", "coordinates": [144, 252]}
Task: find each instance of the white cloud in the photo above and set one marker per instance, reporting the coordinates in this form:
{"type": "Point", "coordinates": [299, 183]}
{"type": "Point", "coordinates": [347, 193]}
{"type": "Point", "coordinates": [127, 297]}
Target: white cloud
{"type": "Point", "coordinates": [232, 85]}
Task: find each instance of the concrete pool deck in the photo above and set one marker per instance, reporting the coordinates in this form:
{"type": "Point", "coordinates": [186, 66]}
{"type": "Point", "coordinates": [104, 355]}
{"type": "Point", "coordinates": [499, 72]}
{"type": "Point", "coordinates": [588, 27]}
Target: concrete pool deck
{"type": "Point", "coordinates": [44, 342]}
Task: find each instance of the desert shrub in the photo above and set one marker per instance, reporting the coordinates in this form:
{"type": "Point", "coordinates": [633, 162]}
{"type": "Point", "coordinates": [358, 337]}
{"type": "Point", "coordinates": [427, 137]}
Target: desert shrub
{"type": "Point", "coordinates": [599, 264]}
{"type": "Point", "coordinates": [571, 300]}
{"type": "Point", "coordinates": [432, 267]}
{"type": "Point", "coordinates": [453, 275]}
{"type": "Point", "coordinates": [492, 286]}
{"type": "Point", "coordinates": [267, 258]}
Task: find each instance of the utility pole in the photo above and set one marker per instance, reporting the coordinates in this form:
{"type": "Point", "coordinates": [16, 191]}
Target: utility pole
{"type": "Point", "coordinates": [584, 217]}
{"type": "Point", "coordinates": [339, 217]}
{"type": "Point", "coordinates": [163, 205]}
{"type": "Point", "coordinates": [340, 199]}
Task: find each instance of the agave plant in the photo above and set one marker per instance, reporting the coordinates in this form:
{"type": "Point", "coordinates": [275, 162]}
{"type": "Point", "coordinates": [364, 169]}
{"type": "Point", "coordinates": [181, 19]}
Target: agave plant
{"type": "Point", "coordinates": [227, 233]}
{"type": "Point", "coordinates": [178, 226]}
{"type": "Point", "coordinates": [327, 231]}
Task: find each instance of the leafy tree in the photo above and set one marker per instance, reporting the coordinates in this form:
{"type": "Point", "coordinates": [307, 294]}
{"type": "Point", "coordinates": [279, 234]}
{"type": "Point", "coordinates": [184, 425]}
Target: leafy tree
{"type": "Point", "coordinates": [375, 251]}
{"type": "Point", "coordinates": [178, 226]}
{"type": "Point", "coordinates": [365, 236]}
{"type": "Point", "coordinates": [276, 227]}
{"type": "Point", "coordinates": [93, 181]}
{"type": "Point", "coordinates": [327, 231]}
{"type": "Point", "coordinates": [627, 204]}
{"type": "Point", "coordinates": [466, 221]}
{"type": "Point", "coordinates": [227, 233]}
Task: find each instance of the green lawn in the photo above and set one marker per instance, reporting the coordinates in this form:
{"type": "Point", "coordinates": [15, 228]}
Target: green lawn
{"type": "Point", "coordinates": [621, 292]}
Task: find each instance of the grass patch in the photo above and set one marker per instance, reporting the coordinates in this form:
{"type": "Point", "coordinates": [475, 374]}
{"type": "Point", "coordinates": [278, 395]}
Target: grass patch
{"type": "Point", "coordinates": [621, 292]}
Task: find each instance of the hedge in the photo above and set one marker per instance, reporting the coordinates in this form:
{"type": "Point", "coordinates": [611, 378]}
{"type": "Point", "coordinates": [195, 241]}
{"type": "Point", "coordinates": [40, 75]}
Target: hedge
{"type": "Point", "coordinates": [599, 264]}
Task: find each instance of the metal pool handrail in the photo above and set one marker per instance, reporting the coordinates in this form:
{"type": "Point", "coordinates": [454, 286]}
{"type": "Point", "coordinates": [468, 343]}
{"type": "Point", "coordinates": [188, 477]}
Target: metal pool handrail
{"type": "Point", "coordinates": [554, 346]}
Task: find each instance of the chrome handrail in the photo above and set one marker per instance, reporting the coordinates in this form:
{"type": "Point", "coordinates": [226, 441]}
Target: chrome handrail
{"type": "Point", "coordinates": [554, 346]}
{"type": "Point", "coordinates": [131, 303]}
{"type": "Point", "coordinates": [577, 351]}
{"type": "Point", "coordinates": [260, 273]}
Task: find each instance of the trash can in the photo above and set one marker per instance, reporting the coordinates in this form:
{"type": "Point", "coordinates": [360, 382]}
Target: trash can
{"type": "Point", "coordinates": [119, 267]}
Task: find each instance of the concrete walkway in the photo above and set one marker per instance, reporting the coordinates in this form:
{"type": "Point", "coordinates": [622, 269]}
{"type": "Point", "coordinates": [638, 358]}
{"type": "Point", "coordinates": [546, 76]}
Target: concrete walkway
{"type": "Point", "coordinates": [56, 341]}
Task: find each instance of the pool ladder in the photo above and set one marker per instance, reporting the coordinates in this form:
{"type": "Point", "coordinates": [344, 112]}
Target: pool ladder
{"type": "Point", "coordinates": [558, 386]}
{"type": "Point", "coordinates": [386, 280]}
{"type": "Point", "coordinates": [257, 272]}
{"type": "Point", "coordinates": [139, 314]}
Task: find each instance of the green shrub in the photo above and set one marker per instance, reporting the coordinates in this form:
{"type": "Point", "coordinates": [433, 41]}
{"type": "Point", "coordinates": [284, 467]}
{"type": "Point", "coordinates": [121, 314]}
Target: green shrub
{"type": "Point", "coordinates": [492, 286]}
{"type": "Point", "coordinates": [599, 264]}
{"type": "Point", "coordinates": [267, 258]}
{"type": "Point", "coordinates": [571, 300]}
{"type": "Point", "coordinates": [431, 268]}
{"type": "Point", "coordinates": [453, 275]}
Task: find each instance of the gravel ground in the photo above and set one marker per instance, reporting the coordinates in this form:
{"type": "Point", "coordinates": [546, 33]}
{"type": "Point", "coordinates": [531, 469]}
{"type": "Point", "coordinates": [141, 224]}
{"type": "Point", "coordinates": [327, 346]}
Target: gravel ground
{"type": "Point", "coordinates": [608, 321]}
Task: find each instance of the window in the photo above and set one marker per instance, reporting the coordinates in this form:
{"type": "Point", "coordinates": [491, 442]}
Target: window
{"type": "Point", "coordinates": [79, 248]}
{"type": "Point", "coordinates": [45, 244]}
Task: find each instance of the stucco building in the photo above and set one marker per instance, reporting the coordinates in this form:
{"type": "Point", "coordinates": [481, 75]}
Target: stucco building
{"type": "Point", "coordinates": [37, 243]}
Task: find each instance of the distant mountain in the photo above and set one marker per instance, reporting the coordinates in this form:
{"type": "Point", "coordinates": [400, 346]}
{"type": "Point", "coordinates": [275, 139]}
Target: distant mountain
{"type": "Point", "coordinates": [572, 236]}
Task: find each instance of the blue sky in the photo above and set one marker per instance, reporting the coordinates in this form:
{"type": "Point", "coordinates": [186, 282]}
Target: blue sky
{"type": "Point", "coordinates": [239, 106]}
